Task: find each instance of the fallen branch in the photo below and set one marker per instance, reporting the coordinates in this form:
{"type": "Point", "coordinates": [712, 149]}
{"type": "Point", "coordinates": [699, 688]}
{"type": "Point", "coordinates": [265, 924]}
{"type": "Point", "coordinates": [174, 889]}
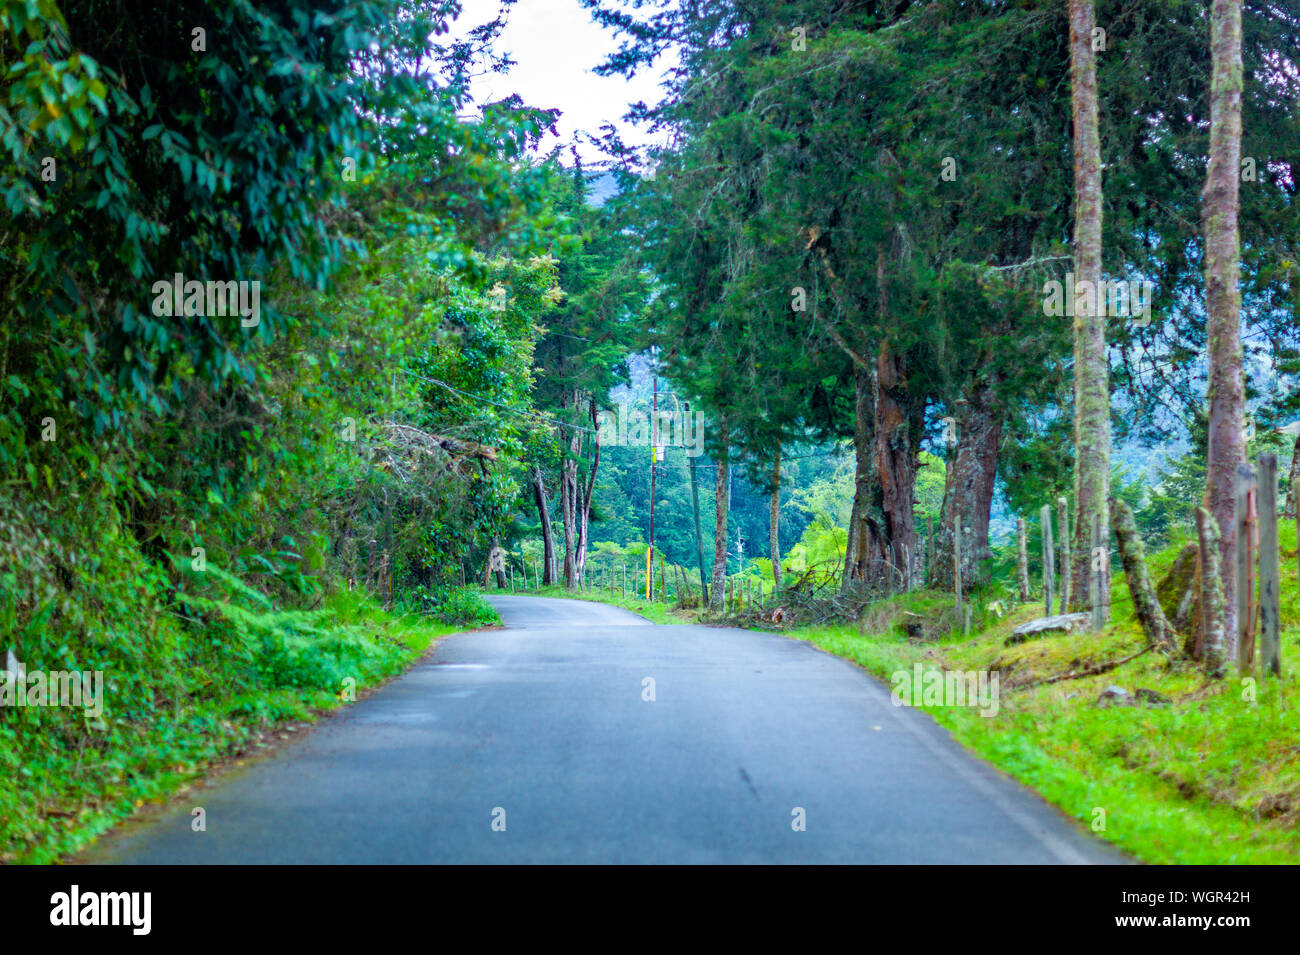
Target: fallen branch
{"type": "Point", "coordinates": [1079, 674]}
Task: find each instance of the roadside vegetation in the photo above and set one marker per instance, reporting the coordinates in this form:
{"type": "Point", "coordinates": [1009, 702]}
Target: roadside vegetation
{"type": "Point", "coordinates": [258, 675]}
{"type": "Point", "coordinates": [249, 273]}
{"type": "Point", "coordinates": [303, 342]}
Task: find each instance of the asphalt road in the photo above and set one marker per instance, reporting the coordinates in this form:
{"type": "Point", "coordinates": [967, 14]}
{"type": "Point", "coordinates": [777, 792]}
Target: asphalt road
{"type": "Point", "coordinates": [536, 744]}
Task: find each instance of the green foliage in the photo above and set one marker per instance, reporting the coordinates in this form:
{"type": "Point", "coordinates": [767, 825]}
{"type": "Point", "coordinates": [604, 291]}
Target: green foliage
{"type": "Point", "coordinates": [204, 510]}
{"type": "Point", "coordinates": [452, 605]}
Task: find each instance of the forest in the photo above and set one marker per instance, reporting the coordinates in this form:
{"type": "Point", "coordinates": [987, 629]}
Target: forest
{"type": "Point", "coordinates": [919, 319]}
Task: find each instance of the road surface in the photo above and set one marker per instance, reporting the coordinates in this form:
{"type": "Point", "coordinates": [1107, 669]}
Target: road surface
{"type": "Point", "coordinates": [538, 743]}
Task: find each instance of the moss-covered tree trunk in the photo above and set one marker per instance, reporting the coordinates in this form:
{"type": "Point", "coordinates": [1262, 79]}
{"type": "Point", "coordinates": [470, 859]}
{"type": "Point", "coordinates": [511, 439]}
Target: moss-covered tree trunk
{"type": "Point", "coordinates": [774, 520]}
{"type": "Point", "coordinates": [896, 460]}
{"type": "Point", "coordinates": [1219, 210]}
{"type": "Point", "coordinates": [968, 486]}
{"type": "Point", "coordinates": [863, 554]}
{"type": "Point", "coordinates": [1091, 372]}
{"type": "Point", "coordinates": [1158, 631]}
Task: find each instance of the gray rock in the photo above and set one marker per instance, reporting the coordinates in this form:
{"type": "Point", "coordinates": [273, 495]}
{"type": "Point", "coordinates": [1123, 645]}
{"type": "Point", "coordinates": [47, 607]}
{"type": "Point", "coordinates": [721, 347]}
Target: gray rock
{"type": "Point", "coordinates": [1115, 696]}
{"type": "Point", "coordinates": [1060, 623]}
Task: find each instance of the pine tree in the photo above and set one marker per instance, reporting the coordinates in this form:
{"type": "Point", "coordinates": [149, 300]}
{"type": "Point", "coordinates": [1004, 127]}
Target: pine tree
{"type": "Point", "coordinates": [1220, 206]}
{"type": "Point", "coordinates": [1091, 368]}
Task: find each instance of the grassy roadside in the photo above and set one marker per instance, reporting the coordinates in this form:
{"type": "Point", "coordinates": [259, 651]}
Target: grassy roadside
{"type": "Point", "coordinates": [1208, 778]}
{"type": "Point", "coordinates": [1211, 777]}
{"type": "Point", "coordinates": [59, 799]}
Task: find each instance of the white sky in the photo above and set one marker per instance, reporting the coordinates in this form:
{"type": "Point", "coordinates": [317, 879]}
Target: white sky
{"type": "Point", "coordinates": [556, 46]}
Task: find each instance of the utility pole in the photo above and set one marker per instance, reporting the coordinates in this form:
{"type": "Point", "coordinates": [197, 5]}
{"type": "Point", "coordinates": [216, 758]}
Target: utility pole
{"type": "Point", "coordinates": [699, 541]}
{"type": "Point", "coordinates": [654, 456]}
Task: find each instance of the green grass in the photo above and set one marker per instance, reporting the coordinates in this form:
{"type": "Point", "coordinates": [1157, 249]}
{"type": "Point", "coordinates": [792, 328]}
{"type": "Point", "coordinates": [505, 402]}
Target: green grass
{"type": "Point", "coordinates": [57, 798]}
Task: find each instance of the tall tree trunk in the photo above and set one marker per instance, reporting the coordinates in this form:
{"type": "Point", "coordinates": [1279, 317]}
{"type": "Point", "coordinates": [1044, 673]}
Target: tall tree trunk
{"type": "Point", "coordinates": [584, 496]}
{"type": "Point", "coordinates": [1219, 208]}
{"type": "Point", "coordinates": [720, 525]}
{"type": "Point", "coordinates": [896, 460]}
{"type": "Point", "coordinates": [568, 506]}
{"type": "Point", "coordinates": [968, 486]}
{"type": "Point", "coordinates": [864, 548]}
{"type": "Point", "coordinates": [1091, 371]}
{"type": "Point", "coordinates": [850, 543]}
{"type": "Point", "coordinates": [864, 552]}
{"type": "Point", "coordinates": [548, 532]}
{"type": "Point", "coordinates": [500, 573]}
{"type": "Point", "coordinates": [774, 520]}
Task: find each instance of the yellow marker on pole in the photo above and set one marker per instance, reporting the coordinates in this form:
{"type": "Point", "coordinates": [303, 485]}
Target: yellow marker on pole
{"type": "Point", "coordinates": [654, 457]}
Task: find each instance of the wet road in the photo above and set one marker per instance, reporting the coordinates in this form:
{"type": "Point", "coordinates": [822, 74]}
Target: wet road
{"type": "Point", "coordinates": [540, 743]}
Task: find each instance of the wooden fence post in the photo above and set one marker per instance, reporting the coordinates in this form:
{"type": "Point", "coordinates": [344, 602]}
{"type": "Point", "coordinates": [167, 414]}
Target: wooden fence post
{"type": "Point", "coordinates": [1212, 636]}
{"type": "Point", "coordinates": [956, 559]}
{"type": "Point", "coordinates": [1270, 570]}
{"type": "Point", "coordinates": [928, 567]}
{"type": "Point", "coordinates": [1244, 530]}
{"type": "Point", "coordinates": [1049, 555]}
{"type": "Point", "coordinates": [1022, 559]}
{"type": "Point", "coordinates": [1063, 525]}
{"type": "Point", "coordinates": [1095, 579]}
